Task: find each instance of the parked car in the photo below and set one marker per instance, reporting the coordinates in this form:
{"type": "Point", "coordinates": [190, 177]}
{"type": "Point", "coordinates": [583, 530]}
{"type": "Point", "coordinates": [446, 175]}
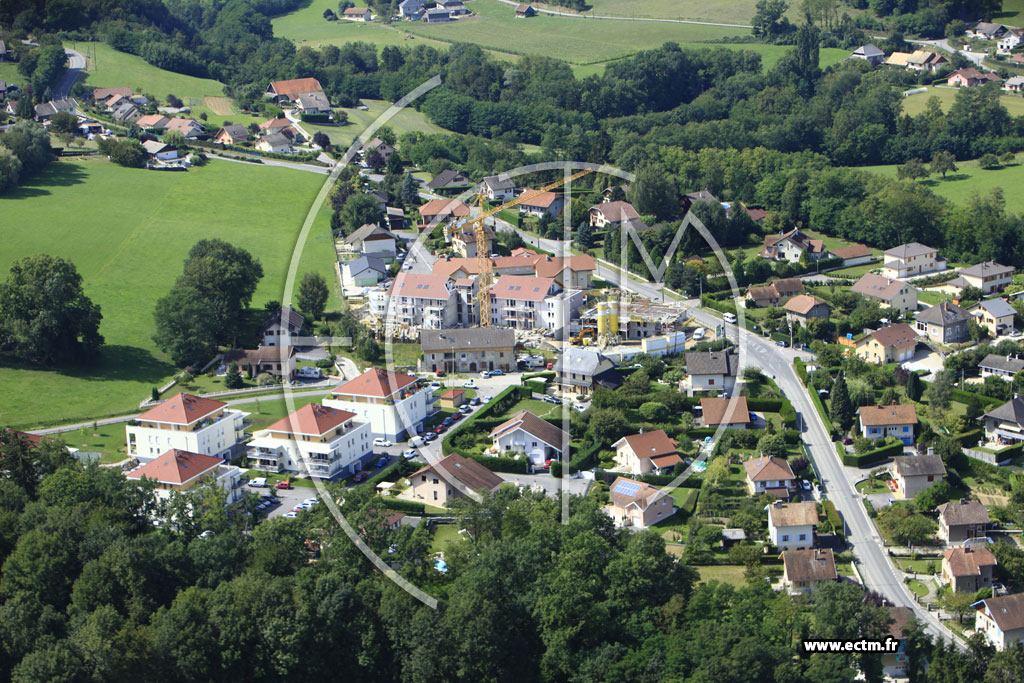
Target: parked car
{"type": "Point", "coordinates": [497, 373]}
{"type": "Point", "coordinates": [699, 334]}
{"type": "Point", "coordinates": [806, 485]}
{"type": "Point", "coordinates": [409, 454]}
{"type": "Point", "coordinates": [447, 422]}
{"type": "Point", "coordinates": [550, 366]}
{"type": "Point", "coordinates": [465, 409]}
{"type": "Point", "coordinates": [291, 515]}
{"type": "Point", "coordinates": [439, 373]}
{"type": "Point", "coordinates": [435, 385]}
{"type": "Point", "coordinates": [258, 483]}
{"type": "Point", "coordinates": [782, 343]}
{"type": "Point", "coordinates": [284, 484]}
{"type": "Point", "coordinates": [485, 374]}
{"type": "Point", "coordinates": [429, 436]}
{"type": "Point", "coordinates": [469, 384]}
{"type": "Point", "coordinates": [380, 442]}
{"type": "Point", "coordinates": [382, 462]}
{"type": "Point", "coordinates": [360, 476]}
{"type": "Point", "coordinates": [580, 407]}
{"type": "Point", "coordinates": [456, 416]}
{"type": "Point", "coordinates": [475, 401]}
{"type": "Point", "coordinates": [848, 441]}
{"type": "Point", "coordinates": [552, 399]}
{"type": "Point", "coordinates": [441, 428]}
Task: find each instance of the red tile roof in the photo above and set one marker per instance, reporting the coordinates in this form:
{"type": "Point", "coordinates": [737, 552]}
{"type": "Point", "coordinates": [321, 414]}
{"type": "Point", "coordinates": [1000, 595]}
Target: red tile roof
{"type": "Point", "coordinates": [522, 287]}
{"type": "Point", "coordinates": [312, 419]}
{"type": "Point", "coordinates": [296, 86]}
{"type": "Point", "coordinates": [650, 444]}
{"type": "Point", "coordinates": [182, 409]}
{"type": "Point", "coordinates": [880, 416]}
{"type": "Point", "coordinates": [768, 468]}
{"type": "Point", "coordinates": [176, 467]}
{"type": "Point", "coordinates": [444, 207]}
{"type": "Point", "coordinates": [375, 382]}
{"type": "Point", "coordinates": [541, 199]}
{"type": "Point", "coordinates": [716, 411]}
{"type": "Point", "coordinates": [420, 286]}
{"type": "Point", "coordinates": [802, 304]}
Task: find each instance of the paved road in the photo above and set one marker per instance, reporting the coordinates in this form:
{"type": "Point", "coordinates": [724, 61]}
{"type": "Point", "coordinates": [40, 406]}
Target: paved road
{"type": "Point", "coordinates": [76, 63]}
{"type": "Point", "coordinates": [322, 170]}
{"type": "Point", "coordinates": [977, 57]}
{"type": "Point", "coordinates": [595, 16]}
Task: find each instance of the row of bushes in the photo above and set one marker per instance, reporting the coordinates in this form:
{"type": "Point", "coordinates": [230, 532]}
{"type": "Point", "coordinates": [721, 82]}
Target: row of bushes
{"type": "Point", "coordinates": [801, 372]}
{"type": "Point", "coordinates": [727, 306]}
{"type": "Point", "coordinates": [961, 396]}
{"type": "Point", "coordinates": [484, 421]}
{"type": "Point", "coordinates": [969, 438]}
{"type": "Point", "coordinates": [832, 515]}
{"type": "Point", "coordinates": [546, 374]}
{"type": "Point", "coordinates": [499, 464]}
{"type": "Point", "coordinates": [871, 457]}
{"type": "Point", "coordinates": [402, 505]}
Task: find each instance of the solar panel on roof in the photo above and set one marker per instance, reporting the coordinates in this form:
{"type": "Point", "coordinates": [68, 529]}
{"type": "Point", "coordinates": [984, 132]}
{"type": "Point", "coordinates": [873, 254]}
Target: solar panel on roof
{"type": "Point", "coordinates": [627, 488]}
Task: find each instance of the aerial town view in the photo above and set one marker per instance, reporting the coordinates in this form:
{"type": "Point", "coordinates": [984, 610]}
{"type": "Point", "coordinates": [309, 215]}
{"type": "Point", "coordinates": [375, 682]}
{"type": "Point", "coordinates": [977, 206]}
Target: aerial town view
{"type": "Point", "coordinates": [572, 341]}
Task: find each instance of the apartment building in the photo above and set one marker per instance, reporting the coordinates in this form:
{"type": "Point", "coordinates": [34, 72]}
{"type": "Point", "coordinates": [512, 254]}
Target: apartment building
{"type": "Point", "coordinates": [318, 440]}
{"type": "Point", "coordinates": [394, 404]}
{"type": "Point", "coordinates": [187, 423]}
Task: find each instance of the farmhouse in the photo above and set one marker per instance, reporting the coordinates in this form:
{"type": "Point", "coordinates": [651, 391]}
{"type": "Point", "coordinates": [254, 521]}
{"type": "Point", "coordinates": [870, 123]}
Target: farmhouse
{"type": "Point", "coordinates": [922, 60]}
{"type": "Point", "coordinates": [315, 103]}
{"type": "Point", "coordinates": [987, 30]}
{"type": "Point", "coordinates": [526, 433]}
{"type": "Point", "coordinates": [187, 423]}
{"type": "Point", "coordinates": [470, 349]}
{"type": "Point", "coordinates": [411, 9]}
{"type": "Point", "coordinates": [637, 504]}
{"type": "Point", "coordinates": [961, 520]}
{"type": "Point", "coordinates": [731, 413]}
{"type": "Point", "coordinates": [47, 110]}
{"type": "Point", "coordinates": [945, 323]}
{"type": "Point", "coordinates": [525, 11]}
{"type": "Point", "coordinates": [1014, 84]}
{"type": "Point", "coordinates": [913, 474]}
{"type": "Point", "coordinates": [357, 14]}
{"type": "Point", "coordinates": [892, 344]}
{"type": "Point", "coordinates": [434, 16]}
{"type": "Point", "coordinates": [647, 452]}
{"type": "Point", "coordinates": [1001, 366]}
{"type": "Point", "coordinates": [968, 570]}
{"type": "Point", "coordinates": [288, 91]}
{"type": "Point", "coordinates": [101, 95]}
{"type": "Point", "coordinates": [791, 525]}
{"type": "Point", "coordinates": [775, 293]}
{"type": "Point", "coordinates": [878, 422]}
{"type": "Point", "coordinates": [454, 7]}
{"type": "Point", "coordinates": [179, 471]}
{"type": "Point", "coordinates": [911, 260]}
{"type": "Point", "coordinates": [324, 441]}
{"type": "Point", "coordinates": [804, 307]}
{"type": "Point", "coordinates": [771, 475]}
{"type": "Point", "coordinates": [451, 478]}
{"type": "Point", "coordinates": [393, 404]}
{"type": "Point", "coordinates": [1012, 39]}
{"type": "Point", "coordinates": [1001, 620]}
{"type": "Point", "coordinates": [895, 294]}
{"type": "Point", "coordinates": [791, 246]}
{"type": "Point", "coordinates": [804, 569]}
{"type": "Point", "coordinates": [995, 315]}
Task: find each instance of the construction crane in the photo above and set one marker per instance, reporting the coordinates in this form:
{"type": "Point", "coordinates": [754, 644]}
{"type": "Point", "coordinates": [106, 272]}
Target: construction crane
{"type": "Point", "coordinates": [483, 256]}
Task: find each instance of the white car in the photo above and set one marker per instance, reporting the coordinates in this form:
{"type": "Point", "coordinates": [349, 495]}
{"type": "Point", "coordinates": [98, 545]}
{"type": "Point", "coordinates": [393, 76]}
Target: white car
{"type": "Point", "coordinates": [291, 515]}
{"type": "Point", "coordinates": [311, 501]}
{"type": "Point", "coordinates": [381, 443]}
{"type": "Point", "coordinates": [580, 407]}
{"type": "Point", "coordinates": [469, 384]}
{"type": "Point", "coordinates": [409, 454]}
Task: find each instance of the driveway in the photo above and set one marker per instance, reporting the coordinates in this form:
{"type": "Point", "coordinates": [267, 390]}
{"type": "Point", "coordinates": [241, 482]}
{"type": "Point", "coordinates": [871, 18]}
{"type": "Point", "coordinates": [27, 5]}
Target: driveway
{"type": "Point", "coordinates": [552, 486]}
{"type": "Point", "coordinates": [927, 360]}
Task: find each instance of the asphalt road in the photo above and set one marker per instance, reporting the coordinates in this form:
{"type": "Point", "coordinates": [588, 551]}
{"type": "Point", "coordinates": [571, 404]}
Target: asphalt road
{"type": "Point", "coordinates": [977, 57]}
{"type": "Point", "coordinates": [76, 63]}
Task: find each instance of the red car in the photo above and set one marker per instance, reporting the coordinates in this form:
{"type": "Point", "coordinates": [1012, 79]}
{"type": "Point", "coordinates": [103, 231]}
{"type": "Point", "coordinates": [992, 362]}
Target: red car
{"type": "Point", "coordinates": [440, 373]}
{"type": "Point", "coordinates": [441, 429]}
{"type": "Point", "coordinates": [457, 416]}
{"type": "Point", "coordinates": [550, 366]}
{"type": "Point", "coordinates": [360, 476]}
{"type": "Point", "coordinates": [284, 484]}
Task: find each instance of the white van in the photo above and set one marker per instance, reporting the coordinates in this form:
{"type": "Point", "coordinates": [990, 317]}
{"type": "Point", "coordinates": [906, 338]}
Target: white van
{"type": "Point", "coordinates": [730, 318]}
{"type": "Point", "coordinates": [258, 483]}
{"type": "Point", "coordinates": [309, 372]}
{"type": "Point", "coordinates": [698, 334]}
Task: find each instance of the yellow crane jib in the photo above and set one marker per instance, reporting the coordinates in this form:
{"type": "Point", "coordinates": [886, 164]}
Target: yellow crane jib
{"type": "Point", "coordinates": [483, 256]}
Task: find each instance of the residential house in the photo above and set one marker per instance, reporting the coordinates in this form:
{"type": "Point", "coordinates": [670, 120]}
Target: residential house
{"type": "Point", "coordinates": [497, 189]}
{"type": "Point", "coordinates": [274, 143]}
{"type": "Point", "coordinates": [878, 422]}
{"type": "Point", "coordinates": [896, 664]}
{"type": "Point", "coordinates": [541, 204]}
{"type": "Point", "coordinates": [886, 291]}
{"type": "Point", "coordinates": [464, 241]}
{"type": "Point", "coordinates": [436, 16]}
{"type": "Point", "coordinates": [366, 271]}
{"type": "Point", "coordinates": [923, 60]}
{"type": "Point", "coordinates": [453, 399]}
{"type": "Point", "coordinates": [525, 11]}
{"type": "Point", "coordinates": [393, 404]}
{"type": "Point", "coordinates": [1017, 58]}
{"type": "Point", "coordinates": [647, 452]}
{"type": "Point", "coordinates": [47, 110]}
{"type": "Point", "coordinates": [190, 128]}
{"type": "Point", "coordinates": [892, 344]}
{"type": "Point", "coordinates": [970, 77]}
{"type": "Point", "coordinates": [395, 217]}
{"type": "Point", "coordinates": [730, 413]}
{"type": "Point", "coordinates": [968, 569]}
{"type": "Point", "coordinates": [913, 474]}
{"type": "Point", "coordinates": [898, 59]}
{"type": "Point", "coordinates": [416, 300]}
{"type": "Point", "coordinates": [234, 134]}
{"type": "Point", "coordinates": [187, 423]}
{"type": "Point", "coordinates": [1001, 620]}
{"type": "Point", "coordinates": [272, 360]}
{"type": "Point", "coordinates": [525, 302]}
{"type": "Point", "coordinates": [151, 121]}
{"type": "Point", "coordinates": [289, 90]}
{"type": "Point", "coordinates": [803, 308]}
{"type": "Point", "coordinates": [791, 525]}
{"type": "Point", "coordinates": [1014, 84]}
{"type": "Point", "coordinates": [775, 293]}
{"type": "Point", "coordinates": [962, 520]}
{"type": "Point", "coordinates": [315, 103]}
{"type": "Point", "coordinates": [281, 326]}
{"type": "Point", "coordinates": [986, 30]}
{"type": "Point", "coordinates": [448, 181]}
{"type": "Point", "coordinates": [469, 349]}
{"type": "Point", "coordinates": [989, 276]}
{"type": "Point", "coordinates": [1006, 367]}
{"type": "Point", "coordinates": [275, 125]}
{"type": "Point", "coordinates": [160, 151]}
{"type": "Point", "coordinates": [411, 9]}
{"type": "Point", "coordinates": [323, 441]}
{"type": "Point", "coordinates": [1005, 424]}
{"type": "Point", "coordinates": [613, 214]}
{"type": "Point", "coordinates": [357, 14]}
{"type": "Point", "coordinates": [791, 246]}
{"type": "Point", "coordinates": [636, 504]}
{"type": "Point", "coordinates": [568, 272]}
{"type": "Point", "coordinates": [581, 371]}
{"type": "Point", "coordinates": [528, 434]}
{"type": "Point", "coordinates": [439, 210]}
{"type": "Point", "coordinates": [451, 477]}
{"type": "Point", "coordinates": [178, 471]}
{"type": "Point", "coordinates": [454, 7]}
{"type": "Point", "coordinates": [852, 255]}
{"type": "Point", "coordinates": [101, 95]}
{"type": "Point", "coordinates": [372, 240]}
{"type": "Point", "coordinates": [771, 475]}
{"type": "Point", "coordinates": [995, 315]}
{"type": "Point", "coordinates": [869, 53]}
{"type": "Point", "coordinates": [712, 371]}
{"type": "Point", "coordinates": [802, 570]}
{"type": "Point", "coordinates": [126, 112]}
{"type": "Point", "coordinates": [1011, 39]}
{"type": "Point", "coordinates": [911, 260]}
{"type": "Point", "coordinates": [944, 323]}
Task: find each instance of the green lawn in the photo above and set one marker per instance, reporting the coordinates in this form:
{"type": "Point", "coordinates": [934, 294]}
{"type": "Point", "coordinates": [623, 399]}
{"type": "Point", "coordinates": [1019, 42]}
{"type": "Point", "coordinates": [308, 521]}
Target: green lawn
{"type": "Point", "coordinates": [919, 566]}
{"type": "Point", "coordinates": [959, 185]}
{"type": "Point", "coordinates": [917, 587]}
{"type": "Point", "coordinates": [1012, 13]}
{"type": "Point", "coordinates": [406, 120]}
{"type": "Point", "coordinates": [726, 573]}
{"type": "Point", "coordinates": [443, 535]}
{"type": "Point", "coordinates": [128, 231]}
{"type": "Point", "coordinates": [9, 72]}
{"type": "Point", "coordinates": [915, 104]}
{"type": "Point", "coordinates": [873, 486]}
{"type": "Point", "coordinates": [719, 11]}
{"type": "Point", "coordinates": [307, 26]}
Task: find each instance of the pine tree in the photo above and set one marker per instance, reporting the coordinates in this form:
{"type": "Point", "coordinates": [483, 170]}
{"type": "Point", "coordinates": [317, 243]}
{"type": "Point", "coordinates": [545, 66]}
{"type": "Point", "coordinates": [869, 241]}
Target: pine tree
{"type": "Point", "coordinates": [233, 378]}
{"type": "Point", "coordinates": [410, 191]}
{"type": "Point", "coordinates": [914, 388]}
{"type": "Point", "coordinates": [840, 407]}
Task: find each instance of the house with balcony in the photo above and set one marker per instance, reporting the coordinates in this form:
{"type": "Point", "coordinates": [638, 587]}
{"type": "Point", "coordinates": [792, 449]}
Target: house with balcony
{"type": "Point", "coordinates": [497, 189]}
{"type": "Point", "coordinates": [613, 214]}
{"type": "Point", "coordinates": [542, 204]}
{"type": "Point", "coordinates": [582, 371]}
{"type": "Point", "coordinates": [527, 434]}
{"type": "Point", "coordinates": [771, 475]}
{"type": "Point", "coordinates": [791, 525]}
{"type": "Point", "coordinates": [1005, 367]}
{"type": "Point", "coordinates": [878, 422]}
{"type": "Point", "coordinates": [281, 327]}
{"type": "Point", "coordinates": [319, 440]}
{"type": "Point", "coordinates": [712, 371]}
{"type": "Point", "coordinates": [1005, 425]}
{"type": "Point", "coordinates": [886, 291]}
{"type": "Point", "coordinates": [891, 344]}
{"type": "Point", "coordinates": [1001, 620]}
{"type": "Point", "coordinates": [524, 302]}
{"type": "Point", "coordinates": [969, 569]}
{"type": "Point", "coordinates": [995, 315]}
{"type": "Point", "coordinates": [438, 211]}
{"type": "Point", "coordinates": [416, 300]}
{"type": "Point", "coordinates": [371, 240]}
{"type": "Point", "coordinates": [568, 272]}
{"type": "Point", "coordinates": [178, 471]}
{"type": "Point", "coordinates": [912, 474]}
{"type": "Point", "coordinates": [791, 246]}
{"type": "Point", "coordinates": [803, 570]}
{"type": "Point", "coordinates": [944, 323]}
{"type": "Point", "coordinates": [451, 477]}
{"type": "Point", "coordinates": [647, 452]}
{"type": "Point", "coordinates": [636, 504]}
{"type": "Point", "coordinates": [962, 520]}
{"type": "Point", "coordinates": [911, 260]}
{"type": "Point", "coordinates": [988, 276]}
{"type": "Point", "coordinates": [188, 423]}
{"type": "Point", "coordinates": [394, 405]}
{"type": "Point", "coordinates": [471, 349]}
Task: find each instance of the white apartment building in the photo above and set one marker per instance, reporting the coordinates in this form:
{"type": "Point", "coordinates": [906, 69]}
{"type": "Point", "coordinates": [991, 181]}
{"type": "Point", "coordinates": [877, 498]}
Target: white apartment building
{"type": "Point", "coordinates": [323, 441]}
{"type": "Point", "coordinates": [416, 300]}
{"type": "Point", "coordinates": [530, 303]}
{"type": "Point", "coordinates": [187, 423]}
{"type": "Point", "coordinates": [393, 404]}
{"type": "Point", "coordinates": [181, 471]}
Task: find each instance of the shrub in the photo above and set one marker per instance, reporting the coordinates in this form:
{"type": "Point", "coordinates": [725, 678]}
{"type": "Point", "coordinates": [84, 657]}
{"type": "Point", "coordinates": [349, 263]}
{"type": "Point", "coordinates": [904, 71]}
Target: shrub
{"type": "Point", "coordinates": [653, 411]}
{"type": "Point", "coordinates": [264, 379]}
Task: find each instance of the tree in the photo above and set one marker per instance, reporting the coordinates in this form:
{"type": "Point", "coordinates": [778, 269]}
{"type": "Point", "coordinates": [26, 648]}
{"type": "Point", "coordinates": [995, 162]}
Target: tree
{"type": "Point", "coordinates": [174, 101]}
{"type": "Point", "coordinates": [64, 122]}
{"type": "Point", "coordinates": [45, 316]}
{"type": "Point", "coordinates": [841, 408]}
{"type": "Point", "coordinates": [233, 378]}
{"type": "Point", "coordinates": [394, 165]}
{"type": "Point", "coordinates": [773, 445]}
{"type": "Point", "coordinates": [321, 140]}
{"type": "Point", "coordinates": [608, 424]}
{"type": "Point", "coordinates": [768, 20]}
{"type": "Point", "coordinates": [988, 162]}
{"type": "Point", "coordinates": [127, 153]}
{"type": "Point", "coordinates": [312, 295]}
{"type": "Point", "coordinates": [654, 192]}
{"type": "Point", "coordinates": [914, 388]}
{"type": "Point", "coordinates": [10, 169]}
{"type": "Point", "coordinates": [652, 411]}
{"type": "Point", "coordinates": [584, 235]}
{"type": "Point", "coordinates": [187, 325]}
{"type": "Point", "coordinates": [227, 275]}
{"type": "Point", "coordinates": [409, 193]}
{"type": "Point", "coordinates": [359, 210]}
{"type": "Point", "coordinates": [958, 603]}
{"type": "Point", "coordinates": [175, 138]}
{"type": "Point", "coordinates": [912, 170]}
{"type": "Point", "coordinates": [716, 475]}
{"type": "Point", "coordinates": [943, 162]}
{"type": "Point", "coordinates": [939, 393]}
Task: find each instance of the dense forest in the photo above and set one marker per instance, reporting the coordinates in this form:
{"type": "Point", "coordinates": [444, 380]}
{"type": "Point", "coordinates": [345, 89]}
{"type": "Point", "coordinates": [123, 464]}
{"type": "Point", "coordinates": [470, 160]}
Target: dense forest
{"type": "Point", "coordinates": [92, 591]}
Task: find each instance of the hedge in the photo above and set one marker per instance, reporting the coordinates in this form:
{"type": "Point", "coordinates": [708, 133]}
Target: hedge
{"type": "Point", "coordinates": [499, 464]}
{"type": "Point", "coordinates": [961, 396]}
{"type": "Point", "coordinates": [801, 371]}
{"type": "Point", "coordinates": [969, 438]}
{"type": "Point", "coordinates": [832, 515]}
{"type": "Point", "coordinates": [315, 118]}
{"type": "Point", "coordinates": [720, 306]}
{"type": "Point", "coordinates": [871, 457]}
{"type": "Point", "coordinates": [547, 374]}
{"type": "Point", "coordinates": [402, 464]}
{"type": "Point", "coordinates": [765, 405]}
{"type": "Point", "coordinates": [402, 505]}
{"type": "Point", "coordinates": [499, 404]}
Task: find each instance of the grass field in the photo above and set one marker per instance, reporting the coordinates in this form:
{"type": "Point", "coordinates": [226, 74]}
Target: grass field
{"type": "Point", "coordinates": [128, 231]}
{"type": "Point", "coordinates": [968, 179]}
{"type": "Point", "coordinates": [307, 26]}
{"type": "Point", "coordinates": [9, 73]}
{"type": "Point", "coordinates": [915, 104]}
{"type": "Point", "coordinates": [1012, 13]}
{"type": "Point", "coordinates": [719, 11]}
{"type": "Point", "coordinates": [406, 120]}
{"type": "Point", "coordinates": [726, 573]}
